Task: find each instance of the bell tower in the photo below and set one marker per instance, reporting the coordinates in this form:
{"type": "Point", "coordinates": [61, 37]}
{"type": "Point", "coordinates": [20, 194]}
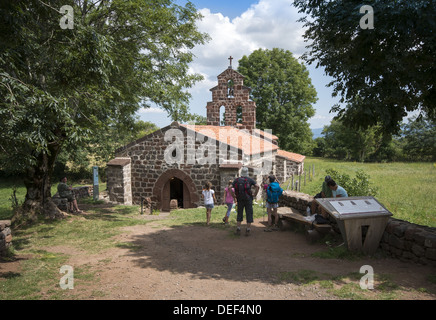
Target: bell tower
{"type": "Point", "coordinates": [231, 94]}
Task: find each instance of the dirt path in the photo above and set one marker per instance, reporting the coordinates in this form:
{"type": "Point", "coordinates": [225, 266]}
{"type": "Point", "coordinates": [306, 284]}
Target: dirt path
{"type": "Point", "coordinates": [199, 262]}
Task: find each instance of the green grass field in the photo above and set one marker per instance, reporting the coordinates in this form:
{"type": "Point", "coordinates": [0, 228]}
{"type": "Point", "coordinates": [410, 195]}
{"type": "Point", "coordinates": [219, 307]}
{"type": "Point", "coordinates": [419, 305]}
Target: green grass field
{"type": "Point", "coordinates": [38, 277]}
{"type": "Point", "coordinates": [406, 189]}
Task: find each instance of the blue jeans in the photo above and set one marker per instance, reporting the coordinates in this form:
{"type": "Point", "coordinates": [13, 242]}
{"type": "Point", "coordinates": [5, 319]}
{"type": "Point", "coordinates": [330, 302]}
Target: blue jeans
{"type": "Point", "coordinates": [229, 209]}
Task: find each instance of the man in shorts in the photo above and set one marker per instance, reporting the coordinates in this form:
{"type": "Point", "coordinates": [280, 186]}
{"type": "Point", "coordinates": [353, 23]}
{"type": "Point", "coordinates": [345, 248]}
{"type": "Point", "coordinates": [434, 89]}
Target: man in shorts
{"type": "Point", "coordinates": [244, 196]}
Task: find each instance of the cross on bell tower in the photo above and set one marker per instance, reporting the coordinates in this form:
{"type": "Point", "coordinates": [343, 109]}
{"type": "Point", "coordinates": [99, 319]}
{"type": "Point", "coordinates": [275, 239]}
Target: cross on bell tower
{"type": "Point", "coordinates": [230, 58]}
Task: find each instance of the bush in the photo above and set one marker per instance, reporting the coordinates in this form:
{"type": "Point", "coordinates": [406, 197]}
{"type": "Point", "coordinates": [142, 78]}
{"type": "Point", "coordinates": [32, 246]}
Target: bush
{"type": "Point", "coordinates": [355, 187]}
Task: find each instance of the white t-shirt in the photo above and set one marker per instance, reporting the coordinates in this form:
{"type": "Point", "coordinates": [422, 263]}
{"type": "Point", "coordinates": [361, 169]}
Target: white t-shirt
{"type": "Point", "coordinates": [208, 196]}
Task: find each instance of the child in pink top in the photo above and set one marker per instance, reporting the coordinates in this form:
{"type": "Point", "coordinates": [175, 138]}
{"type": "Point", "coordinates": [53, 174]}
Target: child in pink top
{"type": "Point", "coordinates": [228, 197]}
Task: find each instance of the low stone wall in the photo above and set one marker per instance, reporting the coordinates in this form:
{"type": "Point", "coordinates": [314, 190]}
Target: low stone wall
{"type": "Point", "coordinates": [296, 200]}
{"type": "Point", "coordinates": [401, 239]}
{"type": "Point", "coordinates": [408, 241]}
{"type": "Point", "coordinates": [83, 192]}
{"type": "Point", "coordinates": [5, 236]}
{"type": "Point", "coordinates": [79, 192]}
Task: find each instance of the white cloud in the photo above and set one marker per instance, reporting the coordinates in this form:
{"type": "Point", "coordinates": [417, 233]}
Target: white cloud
{"type": "Point", "coordinates": [272, 24]}
{"type": "Point", "coordinates": [151, 110]}
{"type": "Point", "coordinates": [267, 24]}
{"type": "Point", "coordinates": [322, 117]}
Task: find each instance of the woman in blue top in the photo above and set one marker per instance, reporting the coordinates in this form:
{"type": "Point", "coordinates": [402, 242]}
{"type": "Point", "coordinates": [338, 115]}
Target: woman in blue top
{"type": "Point", "coordinates": [337, 191]}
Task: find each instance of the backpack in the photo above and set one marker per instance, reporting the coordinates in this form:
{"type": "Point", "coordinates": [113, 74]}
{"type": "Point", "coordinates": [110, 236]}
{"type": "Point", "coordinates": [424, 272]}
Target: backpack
{"type": "Point", "coordinates": [274, 192]}
{"type": "Point", "coordinates": [319, 219]}
{"type": "Point", "coordinates": [242, 189]}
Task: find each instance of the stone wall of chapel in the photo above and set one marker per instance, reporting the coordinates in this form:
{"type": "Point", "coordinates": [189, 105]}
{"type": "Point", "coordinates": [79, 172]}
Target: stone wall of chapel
{"type": "Point", "coordinates": [148, 164]}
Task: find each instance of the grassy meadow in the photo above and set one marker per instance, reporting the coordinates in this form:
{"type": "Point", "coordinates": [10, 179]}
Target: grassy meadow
{"type": "Point", "coordinates": [405, 189]}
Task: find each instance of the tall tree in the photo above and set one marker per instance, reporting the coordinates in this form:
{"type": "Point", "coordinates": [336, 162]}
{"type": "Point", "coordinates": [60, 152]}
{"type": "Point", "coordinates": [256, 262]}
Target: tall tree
{"type": "Point", "coordinates": [65, 75]}
{"type": "Point", "coordinates": [284, 94]}
{"type": "Point", "coordinates": [391, 67]}
{"type": "Point", "coordinates": [419, 138]}
{"type": "Point", "coordinates": [345, 143]}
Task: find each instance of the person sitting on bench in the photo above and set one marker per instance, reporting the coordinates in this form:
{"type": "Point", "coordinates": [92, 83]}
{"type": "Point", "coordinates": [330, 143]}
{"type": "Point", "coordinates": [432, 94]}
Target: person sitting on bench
{"type": "Point", "coordinates": [66, 191]}
{"type": "Point", "coordinates": [326, 192]}
{"type": "Point", "coordinates": [337, 192]}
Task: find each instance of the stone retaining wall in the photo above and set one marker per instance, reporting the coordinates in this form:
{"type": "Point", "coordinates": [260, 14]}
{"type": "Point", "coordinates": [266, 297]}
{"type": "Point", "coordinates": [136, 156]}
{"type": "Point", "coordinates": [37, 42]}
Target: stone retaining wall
{"type": "Point", "coordinates": [401, 239]}
{"type": "Point", "coordinates": [79, 192]}
{"type": "Point", "coordinates": [408, 241]}
{"type": "Point", "coordinates": [5, 236]}
{"type": "Point", "coordinates": [296, 200]}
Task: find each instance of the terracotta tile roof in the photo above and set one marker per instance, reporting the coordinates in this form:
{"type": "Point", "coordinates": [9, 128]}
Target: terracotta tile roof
{"type": "Point", "coordinates": [267, 135]}
{"type": "Point", "coordinates": [291, 156]}
{"type": "Point", "coordinates": [248, 143]}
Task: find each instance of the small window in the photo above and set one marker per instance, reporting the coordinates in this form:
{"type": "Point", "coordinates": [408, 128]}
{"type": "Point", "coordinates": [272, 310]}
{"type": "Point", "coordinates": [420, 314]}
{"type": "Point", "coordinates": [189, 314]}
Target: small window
{"type": "Point", "coordinates": [230, 89]}
{"type": "Point", "coordinates": [239, 114]}
{"type": "Point", "coordinates": [222, 120]}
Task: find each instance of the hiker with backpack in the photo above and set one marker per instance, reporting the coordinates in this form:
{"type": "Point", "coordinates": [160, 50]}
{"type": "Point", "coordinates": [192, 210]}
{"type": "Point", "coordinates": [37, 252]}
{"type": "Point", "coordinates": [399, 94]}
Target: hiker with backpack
{"type": "Point", "coordinates": [244, 196]}
{"type": "Point", "coordinates": [274, 191]}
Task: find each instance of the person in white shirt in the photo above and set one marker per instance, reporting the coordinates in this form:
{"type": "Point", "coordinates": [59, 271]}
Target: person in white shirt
{"type": "Point", "coordinates": [209, 200]}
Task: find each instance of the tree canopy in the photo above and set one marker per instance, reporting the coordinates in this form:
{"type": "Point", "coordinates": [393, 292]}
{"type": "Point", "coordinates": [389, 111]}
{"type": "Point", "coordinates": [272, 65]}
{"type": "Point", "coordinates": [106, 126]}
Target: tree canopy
{"type": "Point", "coordinates": [60, 86]}
{"type": "Point", "coordinates": [344, 143]}
{"type": "Point", "coordinates": [419, 139]}
{"type": "Point", "coordinates": [391, 67]}
{"type": "Point", "coordinates": [284, 94]}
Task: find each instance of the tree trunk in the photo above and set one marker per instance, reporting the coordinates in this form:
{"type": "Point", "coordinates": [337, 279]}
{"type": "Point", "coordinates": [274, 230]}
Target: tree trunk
{"type": "Point", "coordinates": [38, 200]}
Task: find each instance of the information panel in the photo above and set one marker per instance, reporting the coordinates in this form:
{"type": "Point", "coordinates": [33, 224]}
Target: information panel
{"type": "Point", "coordinates": [345, 206]}
{"type": "Point", "coordinates": [351, 207]}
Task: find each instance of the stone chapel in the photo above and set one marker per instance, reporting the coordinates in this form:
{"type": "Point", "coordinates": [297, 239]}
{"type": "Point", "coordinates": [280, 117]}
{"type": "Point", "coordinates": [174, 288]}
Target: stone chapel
{"type": "Point", "coordinates": [175, 162]}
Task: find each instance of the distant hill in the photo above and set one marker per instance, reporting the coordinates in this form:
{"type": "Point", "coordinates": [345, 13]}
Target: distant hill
{"type": "Point", "coordinates": [317, 133]}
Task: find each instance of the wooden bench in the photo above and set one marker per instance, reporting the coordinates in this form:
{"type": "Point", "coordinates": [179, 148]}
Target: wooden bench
{"type": "Point", "coordinates": [294, 216]}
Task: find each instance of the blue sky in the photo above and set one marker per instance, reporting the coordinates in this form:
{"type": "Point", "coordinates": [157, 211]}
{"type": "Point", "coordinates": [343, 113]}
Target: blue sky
{"type": "Point", "coordinates": [237, 28]}
{"type": "Point", "coordinates": [231, 9]}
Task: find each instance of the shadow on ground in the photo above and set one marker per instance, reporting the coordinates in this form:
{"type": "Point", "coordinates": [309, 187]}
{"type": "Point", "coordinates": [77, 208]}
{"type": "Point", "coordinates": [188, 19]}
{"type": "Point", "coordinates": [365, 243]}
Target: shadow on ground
{"type": "Point", "coordinates": [201, 252]}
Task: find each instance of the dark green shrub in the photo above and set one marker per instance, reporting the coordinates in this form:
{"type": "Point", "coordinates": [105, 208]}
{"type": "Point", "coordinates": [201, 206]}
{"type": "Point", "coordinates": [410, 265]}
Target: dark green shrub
{"type": "Point", "coordinates": [357, 186]}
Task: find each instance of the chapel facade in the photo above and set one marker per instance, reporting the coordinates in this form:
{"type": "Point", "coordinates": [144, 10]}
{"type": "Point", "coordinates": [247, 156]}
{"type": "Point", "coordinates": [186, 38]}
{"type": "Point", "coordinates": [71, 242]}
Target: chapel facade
{"type": "Point", "coordinates": [172, 165]}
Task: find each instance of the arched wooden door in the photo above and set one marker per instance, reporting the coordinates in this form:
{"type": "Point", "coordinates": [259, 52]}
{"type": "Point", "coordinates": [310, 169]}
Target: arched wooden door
{"type": "Point", "coordinates": [166, 196]}
{"type": "Point", "coordinates": [175, 184]}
